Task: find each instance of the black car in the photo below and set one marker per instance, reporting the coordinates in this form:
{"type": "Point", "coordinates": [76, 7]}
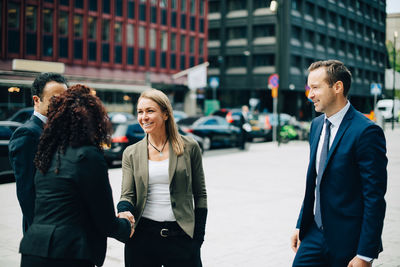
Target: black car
{"type": "Point", "coordinates": [130, 132]}
{"type": "Point", "coordinates": [124, 134]}
{"type": "Point", "coordinates": [214, 130]}
{"type": "Point", "coordinates": [6, 130]}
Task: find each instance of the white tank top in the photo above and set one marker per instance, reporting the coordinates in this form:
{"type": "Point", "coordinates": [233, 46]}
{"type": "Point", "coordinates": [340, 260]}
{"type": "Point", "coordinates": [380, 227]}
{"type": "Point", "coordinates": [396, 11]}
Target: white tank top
{"type": "Point", "coordinates": [158, 205]}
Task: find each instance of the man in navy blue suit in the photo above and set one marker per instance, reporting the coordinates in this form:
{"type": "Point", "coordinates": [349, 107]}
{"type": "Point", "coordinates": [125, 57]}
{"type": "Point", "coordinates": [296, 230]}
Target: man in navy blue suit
{"type": "Point", "coordinates": [24, 141]}
{"type": "Point", "coordinates": [341, 219]}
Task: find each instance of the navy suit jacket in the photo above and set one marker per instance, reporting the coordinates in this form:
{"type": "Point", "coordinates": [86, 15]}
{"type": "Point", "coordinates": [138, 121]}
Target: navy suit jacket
{"type": "Point", "coordinates": [352, 188]}
{"type": "Point", "coordinates": [22, 150]}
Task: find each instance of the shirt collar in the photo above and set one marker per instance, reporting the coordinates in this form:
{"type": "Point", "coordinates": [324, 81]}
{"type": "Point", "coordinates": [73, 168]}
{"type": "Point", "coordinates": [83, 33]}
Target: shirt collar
{"type": "Point", "coordinates": [337, 118]}
{"type": "Point", "coordinates": [40, 116]}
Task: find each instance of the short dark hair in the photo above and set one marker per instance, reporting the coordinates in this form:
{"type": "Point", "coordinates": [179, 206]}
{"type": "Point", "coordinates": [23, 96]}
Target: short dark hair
{"type": "Point", "coordinates": [335, 71]}
{"type": "Point", "coordinates": [42, 79]}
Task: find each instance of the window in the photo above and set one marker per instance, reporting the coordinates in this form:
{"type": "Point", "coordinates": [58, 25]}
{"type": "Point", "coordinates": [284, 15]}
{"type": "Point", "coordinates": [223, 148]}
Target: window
{"type": "Point", "coordinates": [309, 36]}
{"type": "Point", "coordinates": [142, 10]}
{"type": "Point", "coordinates": [201, 46]}
{"type": "Point", "coordinates": [183, 43]}
{"type": "Point", "coordinates": [214, 7]}
{"type": "Point", "coordinates": [192, 6]}
{"type": "Point", "coordinates": [237, 32]}
{"type": "Point", "coordinates": [118, 8]}
{"type": "Point", "coordinates": [92, 30]}
{"type": "Point", "coordinates": [130, 41]}
{"type": "Point", "coordinates": [173, 51]}
{"type": "Point", "coordinates": [78, 41]}
{"type": "Point", "coordinates": [236, 5]}
{"type": "Point", "coordinates": [183, 49]}
{"type": "Point", "coordinates": [153, 45]}
{"type": "Point", "coordinates": [236, 61]}
{"type": "Point", "coordinates": [264, 60]}
{"type": "Point", "coordinates": [191, 45]}
{"type": "Point", "coordinates": [118, 42]}
{"type": "Point", "coordinates": [153, 12]}
{"type": "Point", "coordinates": [47, 32]}
{"type": "Point", "coordinates": [296, 33]}
{"type": "Point", "coordinates": [201, 9]}
{"type": "Point", "coordinates": [105, 38]}
{"type": "Point", "coordinates": [78, 4]}
{"type": "Point", "coordinates": [164, 48]}
{"type": "Point", "coordinates": [309, 9]}
{"type": "Point", "coordinates": [106, 6]}
{"type": "Point", "coordinates": [13, 41]}
{"type": "Point", "coordinates": [264, 30]}
{"type": "Point", "coordinates": [93, 5]}
{"type": "Point", "coordinates": [213, 34]}
{"type": "Point", "coordinates": [63, 34]}
{"type": "Point", "coordinates": [296, 61]}
{"type": "Point", "coordinates": [30, 30]}
{"type": "Point", "coordinates": [131, 9]}
{"type": "Point", "coordinates": [261, 4]}
{"type": "Point", "coordinates": [142, 45]}
{"type": "Point", "coordinates": [296, 5]}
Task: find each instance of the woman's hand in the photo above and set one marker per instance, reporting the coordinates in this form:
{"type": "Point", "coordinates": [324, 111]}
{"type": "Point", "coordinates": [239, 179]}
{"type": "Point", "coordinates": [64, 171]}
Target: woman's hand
{"type": "Point", "coordinates": [128, 215]}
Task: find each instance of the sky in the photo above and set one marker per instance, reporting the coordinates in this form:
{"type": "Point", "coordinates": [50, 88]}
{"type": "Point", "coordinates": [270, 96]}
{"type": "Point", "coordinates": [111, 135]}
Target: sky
{"type": "Point", "coordinates": [392, 6]}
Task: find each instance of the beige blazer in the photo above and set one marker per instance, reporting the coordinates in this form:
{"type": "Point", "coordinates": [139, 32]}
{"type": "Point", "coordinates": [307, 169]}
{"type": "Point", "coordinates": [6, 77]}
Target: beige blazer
{"type": "Point", "coordinates": [186, 177]}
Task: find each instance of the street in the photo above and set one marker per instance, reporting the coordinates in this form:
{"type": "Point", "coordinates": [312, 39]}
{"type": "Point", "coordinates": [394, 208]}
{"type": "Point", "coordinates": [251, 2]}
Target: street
{"type": "Point", "coordinates": [254, 197]}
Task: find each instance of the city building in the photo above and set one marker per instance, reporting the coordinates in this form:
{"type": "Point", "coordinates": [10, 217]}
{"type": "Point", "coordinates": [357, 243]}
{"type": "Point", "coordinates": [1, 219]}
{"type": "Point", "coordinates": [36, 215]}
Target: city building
{"type": "Point", "coordinates": [244, 49]}
{"type": "Point", "coordinates": [118, 47]}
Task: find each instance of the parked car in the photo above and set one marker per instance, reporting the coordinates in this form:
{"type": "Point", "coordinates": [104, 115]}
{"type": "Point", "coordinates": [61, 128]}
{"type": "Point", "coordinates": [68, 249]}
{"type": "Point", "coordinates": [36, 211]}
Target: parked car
{"type": "Point", "coordinates": [6, 130]}
{"type": "Point", "coordinates": [129, 132]}
{"type": "Point", "coordinates": [178, 115]}
{"type": "Point", "coordinates": [259, 127]}
{"type": "Point", "coordinates": [21, 115]}
{"type": "Point", "coordinates": [116, 117]}
{"type": "Point", "coordinates": [214, 130]}
{"type": "Point", "coordinates": [385, 107]}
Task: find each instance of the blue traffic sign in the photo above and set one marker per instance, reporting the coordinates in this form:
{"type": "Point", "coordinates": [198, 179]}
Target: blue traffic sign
{"type": "Point", "coordinates": [214, 82]}
{"type": "Point", "coordinates": [376, 88]}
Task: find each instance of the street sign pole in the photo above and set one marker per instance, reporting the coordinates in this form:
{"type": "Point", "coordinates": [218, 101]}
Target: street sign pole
{"type": "Point", "coordinates": [275, 110]}
{"type": "Point", "coordinates": [273, 83]}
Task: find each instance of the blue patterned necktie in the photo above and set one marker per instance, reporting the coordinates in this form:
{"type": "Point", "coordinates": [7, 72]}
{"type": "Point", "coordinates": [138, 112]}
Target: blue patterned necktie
{"type": "Point", "coordinates": [321, 167]}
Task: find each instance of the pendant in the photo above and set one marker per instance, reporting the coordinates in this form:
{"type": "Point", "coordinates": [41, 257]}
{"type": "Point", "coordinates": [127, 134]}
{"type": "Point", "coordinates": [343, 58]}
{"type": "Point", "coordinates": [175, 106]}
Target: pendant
{"type": "Point", "coordinates": [161, 154]}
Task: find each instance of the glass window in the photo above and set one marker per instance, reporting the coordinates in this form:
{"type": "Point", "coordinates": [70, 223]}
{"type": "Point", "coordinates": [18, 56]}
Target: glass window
{"type": "Point", "coordinates": [78, 25]}
{"type": "Point", "coordinates": [164, 41]}
{"type": "Point", "coordinates": [106, 6]}
{"type": "Point", "coordinates": [47, 20]}
{"type": "Point", "coordinates": [261, 4]}
{"type": "Point", "coordinates": [192, 6]}
{"type": "Point", "coordinates": [92, 27]}
{"type": "Point", "coordinates": [296, 5]}
{"type": "Point", "coordinates": [173, 41]}
{"type": "Point", "coordinates": [309, 9]}
{"type": "Point", "coordinates": [183, 5]}
{"type": "Point", "coordinates": [191, 45]}
{"type": "Point", "coordinates": [142, 36]}
{"type": "Point", "coordinates": [163, 3]}
{"type": "Point", "coordinates": [63, 23]}
{"type": "Point", "coordinates": [214, 7]}
{"type": "Point", "coordinates": [202, 7]}
{"type": "Point", "coordinates": [264, 60]}
{"type": "Point", "coordinates": [118, 32]}
{"type": "Point", "coordinates": [236, 5]}
{"type": "Point", "coordinates": [64, 2]}
{"type": "Point", "coordinates": [93, 5]}
{"type": "Point", "coordinates": [78, 3]}
{"type": "Point", "coordinates": [201, 46]}
{"type": "Point", "coordinates": [237, 32]}
{"type": "Point", "coordinates": [13, 15]}
{"type": "Point", "coordinates": [131, 9]}
{"type": "Point", "coordinates": [153, 39]}
{"type": "Point", "coordinates": [296, 33]}
{"type": "Point", "coordinates": [30, 14]}
{"type": "Point", "coordinates": [105, 30]}
{"type": "Point", "coordinates": [142, 11]}
{"type": "Point", "coordinates": [213, 34]}
{"type": "Point", "coordinates": [130, 36]}
{"type": "Point", "coordinates": [264, 30]}
{"type": "Point", "coordinates": [118, 8]}
{"type": "Point", "coordinates": [183, 43]}
{"type": "Point", "coordinates": [236, 61]}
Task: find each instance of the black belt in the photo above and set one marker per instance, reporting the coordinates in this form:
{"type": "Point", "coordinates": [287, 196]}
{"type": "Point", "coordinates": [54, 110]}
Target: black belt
{"type": "Point", "coordinates": [164, 229]}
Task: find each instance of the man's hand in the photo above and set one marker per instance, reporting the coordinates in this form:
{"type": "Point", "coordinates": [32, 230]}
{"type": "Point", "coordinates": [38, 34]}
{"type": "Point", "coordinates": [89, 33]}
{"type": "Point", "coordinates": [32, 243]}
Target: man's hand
{"type": "Point", "coordinates": [295, 241]}
{"type": "Point", "coordinates": [128, 215]}
{"type": "Point", "coordinates": [357, 262]}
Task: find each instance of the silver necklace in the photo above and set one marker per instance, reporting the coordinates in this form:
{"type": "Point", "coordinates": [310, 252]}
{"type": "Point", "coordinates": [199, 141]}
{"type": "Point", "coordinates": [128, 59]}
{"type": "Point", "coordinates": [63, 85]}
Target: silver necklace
{"type": "Point", "coordinates": [159, 151]}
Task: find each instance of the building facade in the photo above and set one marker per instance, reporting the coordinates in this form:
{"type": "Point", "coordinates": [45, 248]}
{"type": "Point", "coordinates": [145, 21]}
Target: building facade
{"type": "Point", "coordinates": [244, 49]}
{"type": "Point", "coordinates": [118, 47]}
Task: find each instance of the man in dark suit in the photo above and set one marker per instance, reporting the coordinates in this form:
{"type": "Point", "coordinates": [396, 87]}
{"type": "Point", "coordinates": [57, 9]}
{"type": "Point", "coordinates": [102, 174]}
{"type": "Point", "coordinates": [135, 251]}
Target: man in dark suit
{"type": "Point", "coordinates": [341, 219]}
{"type": "Point", "coordinates": [24, 141]}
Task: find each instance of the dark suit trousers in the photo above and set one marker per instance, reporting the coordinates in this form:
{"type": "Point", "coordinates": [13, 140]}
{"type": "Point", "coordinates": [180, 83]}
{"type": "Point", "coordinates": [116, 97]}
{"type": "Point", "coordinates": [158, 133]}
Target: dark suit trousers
{"type": "Point", "coordinates": [36, 261]}
{"type": "Point", "coordinates": [147, 248]}
{"type": "Point", "coordinates": [314, 252]}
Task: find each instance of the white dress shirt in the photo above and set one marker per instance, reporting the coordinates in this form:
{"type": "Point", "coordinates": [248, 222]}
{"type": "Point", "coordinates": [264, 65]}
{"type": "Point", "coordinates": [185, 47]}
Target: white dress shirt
{"type": "Point", "coordinates": [40, 116]}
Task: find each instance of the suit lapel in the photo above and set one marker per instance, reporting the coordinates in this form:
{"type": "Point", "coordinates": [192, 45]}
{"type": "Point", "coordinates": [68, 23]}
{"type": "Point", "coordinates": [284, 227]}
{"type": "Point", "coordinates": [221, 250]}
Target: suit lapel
{"type": "Point", "coordinates": [315, 141]}
{"type": "Point", "coordinates": [344, 125]}
{"type": "Point", "coordinates": [173, 160]}
{"type": "Point", "coordinates": [37, 121]}
{"type": "Point", "coordinates": [142, 158]}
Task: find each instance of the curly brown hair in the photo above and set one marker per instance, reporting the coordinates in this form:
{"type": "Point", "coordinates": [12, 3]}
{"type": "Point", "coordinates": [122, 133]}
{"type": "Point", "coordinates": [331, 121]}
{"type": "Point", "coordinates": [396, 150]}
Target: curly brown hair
{"type": "Point", "coordinates": [75, 118]}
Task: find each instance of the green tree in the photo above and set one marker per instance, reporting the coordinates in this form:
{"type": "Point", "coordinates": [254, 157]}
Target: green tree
{"type": "Point", "coordinates": [389, 47]}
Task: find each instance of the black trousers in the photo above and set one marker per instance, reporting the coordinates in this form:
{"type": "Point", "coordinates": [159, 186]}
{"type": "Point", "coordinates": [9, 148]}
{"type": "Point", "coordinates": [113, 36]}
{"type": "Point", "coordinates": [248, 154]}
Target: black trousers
{"type": "Point", "coordinates": [36, 261]}
{"type": "Point", "coordinates": [147, 248]}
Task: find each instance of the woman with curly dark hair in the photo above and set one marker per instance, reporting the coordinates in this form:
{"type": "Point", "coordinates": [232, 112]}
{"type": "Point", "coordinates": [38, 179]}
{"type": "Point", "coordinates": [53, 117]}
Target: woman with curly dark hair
{"type": "Point", "coordinates": [74, 210]}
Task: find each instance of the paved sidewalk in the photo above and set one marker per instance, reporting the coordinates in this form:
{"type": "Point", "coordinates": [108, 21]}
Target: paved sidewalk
{"type": "Point", "coordinates": [254, 199]}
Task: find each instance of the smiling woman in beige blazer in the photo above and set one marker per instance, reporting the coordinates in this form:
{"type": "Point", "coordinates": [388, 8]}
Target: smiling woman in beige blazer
{"type": "Point", "coordinates": [163, 190]}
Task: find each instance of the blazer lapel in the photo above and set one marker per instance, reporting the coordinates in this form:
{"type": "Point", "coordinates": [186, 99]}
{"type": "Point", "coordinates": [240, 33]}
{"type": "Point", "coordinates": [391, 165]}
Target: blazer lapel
{"type": "Point", "coordinates": [173, 160]}
{"type": "Point", "coordinates": [344, 125]}
{"type": "Point", "coordinates": [142, 158]}
{"type": "Point", "coordinates": [314, 143]}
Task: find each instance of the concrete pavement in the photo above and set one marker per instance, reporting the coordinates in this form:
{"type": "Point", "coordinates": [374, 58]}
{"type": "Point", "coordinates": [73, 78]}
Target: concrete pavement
{"type": "Point", "coordinates": [254, 199]}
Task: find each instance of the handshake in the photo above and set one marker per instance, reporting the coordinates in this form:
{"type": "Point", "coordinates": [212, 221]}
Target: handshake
{"type": "Point", "coordinates": [128, 215]}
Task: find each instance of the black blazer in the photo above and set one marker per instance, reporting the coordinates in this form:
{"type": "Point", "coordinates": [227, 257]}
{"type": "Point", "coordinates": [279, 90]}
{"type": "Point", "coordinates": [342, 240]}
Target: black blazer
{"type": "Point", "coordinates": [22, 149]}
{"type": "Point", "coordinates": [74, 210]}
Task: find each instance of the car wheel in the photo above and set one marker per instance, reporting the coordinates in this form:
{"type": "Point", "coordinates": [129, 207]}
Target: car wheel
{"type": "Point", "coordinates": [206, 143]}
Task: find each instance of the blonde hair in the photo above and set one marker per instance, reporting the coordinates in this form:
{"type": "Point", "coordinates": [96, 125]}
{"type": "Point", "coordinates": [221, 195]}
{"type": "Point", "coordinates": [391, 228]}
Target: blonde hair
{"type": "Point", "coordinates": [165, 105]}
